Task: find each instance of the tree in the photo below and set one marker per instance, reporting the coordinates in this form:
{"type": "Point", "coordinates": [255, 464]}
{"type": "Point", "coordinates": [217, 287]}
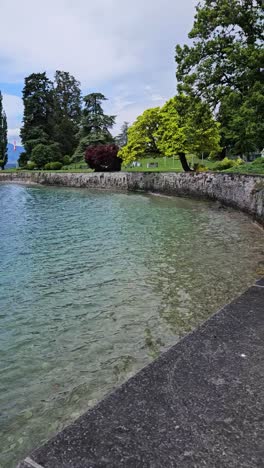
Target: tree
{"type": "Point", "coordinates": [227, 51]}
{"type": "Point", "coordinates": [242, 120]}
{"type": "Point", "coordinates": [38, 120]}
{"type": "Point", "coordinates": [225, 62]}
{"type": "Point", "coordinates": [95, 125]}
{"type": "Point", "coordinates": [103, 158]}
{"type": "Point", "coordinates": [3, 135]}
{"type": "Point", "coordinates": [67, 106]}
{"type": "Point", "coordinates": [42, 154]}
{"type": "Point", "coordinates": [142, 140]}
{"type": "Point", "coordinates": [122, 138]}
{"type": "Point", "coordinates": [187, 126]}
{"type": "Point", "coordinates": [23, 159]}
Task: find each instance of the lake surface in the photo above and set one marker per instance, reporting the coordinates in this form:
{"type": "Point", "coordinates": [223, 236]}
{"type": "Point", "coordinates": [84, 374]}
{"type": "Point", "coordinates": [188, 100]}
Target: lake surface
{"type": "Point", "coordinates": [94, 285]}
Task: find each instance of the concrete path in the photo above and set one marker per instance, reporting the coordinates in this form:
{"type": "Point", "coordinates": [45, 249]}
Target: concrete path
{"type": "Point", "coordinates": [201, 404]}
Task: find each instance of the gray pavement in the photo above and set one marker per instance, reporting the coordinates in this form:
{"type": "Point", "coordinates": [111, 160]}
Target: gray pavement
{"type": "Point", "coordinates": [201, 404]}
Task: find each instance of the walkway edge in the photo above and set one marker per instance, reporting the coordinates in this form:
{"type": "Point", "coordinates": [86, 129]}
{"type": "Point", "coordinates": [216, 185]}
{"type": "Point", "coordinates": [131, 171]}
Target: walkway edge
{"type": "Point", "coordinates": [201, 403]}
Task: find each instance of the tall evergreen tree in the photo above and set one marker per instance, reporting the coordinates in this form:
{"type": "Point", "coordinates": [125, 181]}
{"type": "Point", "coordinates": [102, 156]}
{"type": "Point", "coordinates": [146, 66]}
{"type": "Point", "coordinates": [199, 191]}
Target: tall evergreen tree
{"type": "Point", "coordinates": [95, 125]}
{"type": "Point", "coordinates": [122, 138]}
{"type": "Point", "coordinates": [67, 102]}
{"type": "Point", "coordinates": [38, 120]}
{"type": "Point", "coordinates": [3, 135]}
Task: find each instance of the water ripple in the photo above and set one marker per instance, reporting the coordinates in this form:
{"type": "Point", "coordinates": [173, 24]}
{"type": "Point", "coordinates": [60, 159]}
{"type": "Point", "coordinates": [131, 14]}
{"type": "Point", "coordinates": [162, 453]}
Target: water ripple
{"type": "Point", "coordinates": [93, 286]}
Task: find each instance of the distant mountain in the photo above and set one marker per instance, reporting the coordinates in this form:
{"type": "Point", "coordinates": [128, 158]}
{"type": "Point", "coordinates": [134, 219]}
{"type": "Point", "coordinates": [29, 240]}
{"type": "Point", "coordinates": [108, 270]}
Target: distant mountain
{"type": "Point", "coordinates": [14, 155]}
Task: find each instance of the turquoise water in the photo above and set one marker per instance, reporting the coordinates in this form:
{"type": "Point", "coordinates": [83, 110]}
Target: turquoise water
{"type": "Point", "coordinates": [93, 286]}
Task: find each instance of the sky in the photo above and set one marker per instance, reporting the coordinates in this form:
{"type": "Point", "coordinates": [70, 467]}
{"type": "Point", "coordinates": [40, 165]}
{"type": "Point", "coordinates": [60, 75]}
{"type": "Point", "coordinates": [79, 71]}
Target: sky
{"type": "Point", "coordinates": [124, 49]}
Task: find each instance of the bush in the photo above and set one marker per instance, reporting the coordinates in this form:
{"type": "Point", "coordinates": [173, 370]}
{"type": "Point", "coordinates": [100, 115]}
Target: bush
{"type": "Point", "coordinates": [53, 166]}
{"type": "Point", "coordinates": [56, 152]}
{"type": "Point", "coordinates": [2, 163]}
{"type": "Point", "coordinates": [31, 165]}
{"type": "Point", "coordinates": [66, 160]}
{"type": "Point", "coordinates": [103, 158]}
{"type": "Point", "coordinates": [41, 155]}
{"type": "Point", "coordinates": [23, 159]}
{"type": "Point", "coordinates": [200, 167]}
{"type": "Point", "coordinates": [258, 161]}
{"type": "Point", "coordinates": [227, 164]}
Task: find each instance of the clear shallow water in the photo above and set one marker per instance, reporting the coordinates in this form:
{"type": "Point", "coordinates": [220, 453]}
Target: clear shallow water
{"type": "Point", "coordinates": [93, 286]}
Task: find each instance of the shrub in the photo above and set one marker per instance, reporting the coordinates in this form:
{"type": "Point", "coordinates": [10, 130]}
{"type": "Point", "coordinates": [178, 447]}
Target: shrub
{"type": "Point", "coordinates": [56, 152]}
{"type": "Point", "coordinates": [103, 158]}
{"type": "Point", "coordinates": [53, 166]}
{"type": "Point", "coordinates": [66, 160]}
{"type": "Point", "coordinates": [227, 164]}
{"type": "Point", "coordinates": [2, 163]}
{"type": "Point", "coordinates": [200, 167]}
{"type": "Point", "coordinates": [41, 155]}
{"type": "Point", "coordinates": [258, 161]}
{"type": "Point", "coordinates": [23, 159]}
{"type": "Point", "coordinates": [31, 165]}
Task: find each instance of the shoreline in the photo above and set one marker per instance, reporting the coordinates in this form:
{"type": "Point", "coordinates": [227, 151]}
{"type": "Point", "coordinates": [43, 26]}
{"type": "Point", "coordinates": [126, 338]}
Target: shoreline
{"type": "Point", "coordinates": [242, 192]}
{"type": "Point", "coordinates": [183, 407]}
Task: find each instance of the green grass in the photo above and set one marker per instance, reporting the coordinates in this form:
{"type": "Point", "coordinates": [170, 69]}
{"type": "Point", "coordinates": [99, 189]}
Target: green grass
{"type": "Point", "coordinates": [256, 167]}
{"type": "Point", "coordinates": [168, 165]}
{"type": "Point", "coordinates": [165, 164]}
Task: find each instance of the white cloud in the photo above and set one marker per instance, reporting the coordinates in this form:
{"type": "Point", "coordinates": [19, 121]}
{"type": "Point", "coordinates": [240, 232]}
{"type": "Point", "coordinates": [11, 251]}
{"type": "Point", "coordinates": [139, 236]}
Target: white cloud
{"type": "Point", "coordinates": [96, 41]}
{"type": "Point", "coordinates": [13, 107]}
{"type": "Point", "coordinates": [13, 135]}
{"type": "Point", "coordinates": [109, 45]}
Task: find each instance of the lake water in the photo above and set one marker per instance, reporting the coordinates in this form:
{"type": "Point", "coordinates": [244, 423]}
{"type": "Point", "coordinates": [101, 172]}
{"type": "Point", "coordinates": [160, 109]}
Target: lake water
{"type": "Point", "coordinates": [94, 285]}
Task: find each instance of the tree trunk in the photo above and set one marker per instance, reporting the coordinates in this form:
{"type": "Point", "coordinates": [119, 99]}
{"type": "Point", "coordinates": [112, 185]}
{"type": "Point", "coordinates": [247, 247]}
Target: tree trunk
{"type": "Point", "coordinates": [184, 163]}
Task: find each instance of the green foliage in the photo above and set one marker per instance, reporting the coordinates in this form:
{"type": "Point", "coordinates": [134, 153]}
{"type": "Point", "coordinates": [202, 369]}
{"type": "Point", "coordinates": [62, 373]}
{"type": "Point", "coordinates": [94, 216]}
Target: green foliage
{"type": "Point", "coordinates": [3, 135]}
{"type": "Point", "coordinates": [243, 121]}
{"type": "Point", "coordinates": [41, 155]}
{"type": "Point", "coordinates": [122, 139]}
{"type": "Point", "coordinates": [53, 166]}
{"type": "Point", "coordinates": [227, 164]}
{"type": "Point", "coordinates": [142, 138]}
{"type": "Point", "coordinates": [224, 66]}
{"type": "Point", "coordinates": [255, 167]}
{"type": "Point", "coordinates": [67, 110]}
{"type": "Point", "coordinates": [31, 165]}
{"type": "Point", "coordinates": [66, 160]}
{"type": "Point", "coordinates": [227, 48]}
{"type": "Point", "coordinates": [187, 126]}
{"type": "Point", "coordinates": [38, 120]}
{"type": "Point", "coordinates": [95, 125]}
{"type": "Point", "coordinates": [23, 159]}
{"type": "Point", "coordinates": [183, 125]}
{"type": "Point", "coordinates": [56, 152]}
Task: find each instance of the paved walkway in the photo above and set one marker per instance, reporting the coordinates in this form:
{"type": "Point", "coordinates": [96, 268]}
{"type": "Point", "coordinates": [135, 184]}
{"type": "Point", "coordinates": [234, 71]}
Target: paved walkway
{"type": "Point", "coordinates": [201, 404]}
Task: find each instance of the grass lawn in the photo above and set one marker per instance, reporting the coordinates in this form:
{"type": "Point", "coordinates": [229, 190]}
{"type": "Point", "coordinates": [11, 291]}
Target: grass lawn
{"type": "Point", "coordinates": [169, 165]}
{"type": "Point", "coordinates": [166, 164]}
{"type": "Point", "coordinates": [255, 167]}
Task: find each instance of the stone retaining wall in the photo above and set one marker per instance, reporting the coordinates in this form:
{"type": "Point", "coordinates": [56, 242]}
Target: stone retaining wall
{"type": "Point", "coordinates": [244, 192]}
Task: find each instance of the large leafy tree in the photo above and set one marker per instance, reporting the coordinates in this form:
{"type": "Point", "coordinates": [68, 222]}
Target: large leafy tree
{"type": "Point", "coordinates": [142, 140]}
{"type": "Point", "coordinates": [225, 62]}
{"type": "Point", "coordinates": [38, 119]}
{"type": "Point", "coordinates": [227, 50]}
{"type": "Point", "coordinates": [67, 107]}
{"type": "Point", "coordinates": [242, 119]}
{"type": "Point", "coordinates": [3, 135]}
{"type": "Point", "coordinates": [183, 125]}
{"type": "Point", "coordinates": [95, 125]}
{"type": "Point", "coordinates": [187, 126]}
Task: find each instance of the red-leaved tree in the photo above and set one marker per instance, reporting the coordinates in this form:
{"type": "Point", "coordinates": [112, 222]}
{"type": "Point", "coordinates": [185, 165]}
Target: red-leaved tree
{"type": "Point", "coordinates": [103, 158]}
